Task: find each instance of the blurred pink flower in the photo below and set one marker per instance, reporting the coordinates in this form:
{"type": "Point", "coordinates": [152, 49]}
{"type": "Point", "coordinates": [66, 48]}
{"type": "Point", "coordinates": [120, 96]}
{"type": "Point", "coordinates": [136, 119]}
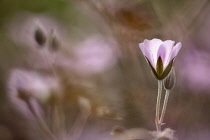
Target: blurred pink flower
{"type": "Point", "coordinates": [194, 76]}
{"type": "Point", "coordinates": [34, 84]}
{"type": "Point", "coordinates": [95, 55]}
{"type": "Point", "coordinates": [22, 26]}
{"type": "Point", "coordinates": [160, 55]}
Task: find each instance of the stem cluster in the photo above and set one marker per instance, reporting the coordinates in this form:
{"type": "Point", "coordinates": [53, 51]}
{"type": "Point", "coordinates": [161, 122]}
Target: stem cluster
{"type": "Point", "coordinates": [159, 118]}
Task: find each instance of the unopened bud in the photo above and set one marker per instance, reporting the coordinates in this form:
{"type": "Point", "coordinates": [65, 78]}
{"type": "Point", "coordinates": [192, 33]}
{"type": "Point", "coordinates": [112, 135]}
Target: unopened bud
{"type": "Point", "coordinates": [170, 80]}
{"type": "Point", "coordinates": [54, 43]}
{"type": "Point", "coordinates": [23, 95]}
{"type": "Point", "coordinates": [39, 36]}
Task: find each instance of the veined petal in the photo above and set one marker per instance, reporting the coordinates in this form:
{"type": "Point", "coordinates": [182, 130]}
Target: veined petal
{"type": "Point", "coordinates": [146, 51]}
{"type": "Point", "coordinates": [162, 52]}
{"type": "Point", "coordinates": [142, 47]}
{"type": "Point", "coordinates": [175, 50]}
{"type": "Point", "coordinates": [154, 45]}
{"type": "Point", "coordinates": [165, 50]}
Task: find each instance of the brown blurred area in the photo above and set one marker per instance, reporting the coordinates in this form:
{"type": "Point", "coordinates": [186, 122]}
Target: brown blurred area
{"type": "Point", "coordinates": [72, 69]}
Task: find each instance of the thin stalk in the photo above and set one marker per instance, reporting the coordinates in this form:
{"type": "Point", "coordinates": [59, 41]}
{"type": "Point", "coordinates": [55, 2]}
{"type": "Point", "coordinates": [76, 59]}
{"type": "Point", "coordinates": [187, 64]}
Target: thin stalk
{"type": "Point", "coordinates": [158, 125]}
{"type": "Point", "coordinates": [79, 125]}
{"type": "Point", "coordinates": [58, 120]}
{"type": "Point", "coordinates": [40, 121]}
{"type": "Point", "coordinates": [164, 106]}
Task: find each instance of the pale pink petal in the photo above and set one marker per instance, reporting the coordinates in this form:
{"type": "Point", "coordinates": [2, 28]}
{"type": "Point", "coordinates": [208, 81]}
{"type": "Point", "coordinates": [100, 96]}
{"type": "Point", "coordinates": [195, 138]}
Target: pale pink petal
{"type": "Point", "coordinates": [175, 50]}
{"type": "Point", "coordinates": [154, 45]}
{"type": "Point", "coordinates": [165, 51]}
{"type": "Point", "coordinates": [142, 47]}
{"type": "Point", "coordinates": [145, 48]}
{"type": "Point", "coordinates": [161, 52]}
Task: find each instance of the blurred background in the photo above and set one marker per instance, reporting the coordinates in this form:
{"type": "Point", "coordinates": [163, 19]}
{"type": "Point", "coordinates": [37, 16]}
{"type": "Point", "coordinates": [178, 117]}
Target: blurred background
{"type": "Point", "coordinates": [72, 69]}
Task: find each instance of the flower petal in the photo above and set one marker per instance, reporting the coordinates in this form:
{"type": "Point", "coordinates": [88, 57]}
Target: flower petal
{"type": "Point", "coordinates": [154, 45]}
{"type": "Point", "coordinates": [142, 47]}
{"type": "Point", "coordinates": [175, 50]}
{"type": "Point", "coordinates": [146, 51]}
{"type": "Point", "coordinates": [162, 52]}
{"type": "Point", "coordinates": [165, 50]}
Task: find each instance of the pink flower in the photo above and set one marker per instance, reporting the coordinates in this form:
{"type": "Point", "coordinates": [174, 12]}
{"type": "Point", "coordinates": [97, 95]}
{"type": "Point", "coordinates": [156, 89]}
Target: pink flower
{"type": "Point", "coordinates": [160, 55]}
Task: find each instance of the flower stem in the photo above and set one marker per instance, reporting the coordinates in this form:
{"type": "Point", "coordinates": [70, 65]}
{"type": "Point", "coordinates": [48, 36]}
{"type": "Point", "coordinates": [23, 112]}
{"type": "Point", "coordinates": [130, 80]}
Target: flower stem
{"type": "Point", "coordinates": [157, 122]}
{"type": "Point", "coordinates": [164, 106]}
{"type": "Point", "coordinates": [40, 121]}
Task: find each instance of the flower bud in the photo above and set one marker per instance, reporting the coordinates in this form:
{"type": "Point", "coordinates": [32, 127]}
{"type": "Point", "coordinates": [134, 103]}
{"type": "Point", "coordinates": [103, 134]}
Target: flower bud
{"type": "Point", "coordinates": [40, 37]}
{"type": "Point", "coordinates": [170, 80]}
{"type": "Point", "coordinates": [54, 42]}
{"type": "Point", "coordinates": [23, 94]}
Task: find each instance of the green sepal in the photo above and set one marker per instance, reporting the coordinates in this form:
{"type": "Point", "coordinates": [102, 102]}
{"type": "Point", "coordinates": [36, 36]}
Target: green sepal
{"type": "Point", "coordinates": [159, 68]}
{"type": "Point", "coordinates": [153, 70]}
{"type": "Point", "coordinates": [167, 69]}
{"type": "Point", "coordinates": [159, 74]}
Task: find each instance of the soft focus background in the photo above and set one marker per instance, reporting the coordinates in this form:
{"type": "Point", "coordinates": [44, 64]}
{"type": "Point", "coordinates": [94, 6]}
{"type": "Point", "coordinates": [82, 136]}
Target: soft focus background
{"type": "Point", "coordinates": [72, 69]}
